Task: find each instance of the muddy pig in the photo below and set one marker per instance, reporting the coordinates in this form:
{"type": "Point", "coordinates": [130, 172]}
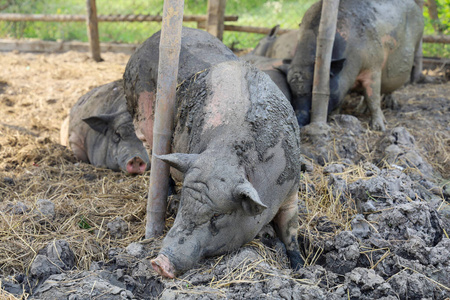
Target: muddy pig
{"type": "Point", "coordinates": [276, 68]}
{"type": "Point", "coordinates": [235, 148]}
{"type": "Point", "coordinates": [374, 50]}
{"type": "Point", "coordinates": [273, 46]}
{"type": "Point", "coordinates": [100, 131]}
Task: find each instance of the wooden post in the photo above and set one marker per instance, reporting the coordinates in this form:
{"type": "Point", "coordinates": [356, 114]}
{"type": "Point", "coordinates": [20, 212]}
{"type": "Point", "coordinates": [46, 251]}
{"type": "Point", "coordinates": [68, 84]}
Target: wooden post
{"type": "Point", "coordinates": [92, 25]}
{"type": "Point", "coordinates": [216, 13]}
{"type": "Point", "coordinates": [433, 13]}
{"type": "Point", "coordinates": [169, 52]}
{"type": "Point", "coordinates": [325, 41]}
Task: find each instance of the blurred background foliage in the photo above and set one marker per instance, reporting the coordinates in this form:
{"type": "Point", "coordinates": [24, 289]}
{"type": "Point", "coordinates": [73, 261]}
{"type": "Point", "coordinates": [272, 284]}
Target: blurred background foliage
{"type": "Point", "coordinates": [287, 13]}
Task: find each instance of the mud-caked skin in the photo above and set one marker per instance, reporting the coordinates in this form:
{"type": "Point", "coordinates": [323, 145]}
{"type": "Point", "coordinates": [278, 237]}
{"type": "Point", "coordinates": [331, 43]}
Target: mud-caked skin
{"type": "Point", "coordinates": [374, 50]}
{"type": "Point", "coordinates": [197, 53]}
{"type": "Point", "coordinates": [236, 150]}
{"type": "Point", "coordinates": [276, 68]}
{"type": "Point", "coordinates": [100, 131]}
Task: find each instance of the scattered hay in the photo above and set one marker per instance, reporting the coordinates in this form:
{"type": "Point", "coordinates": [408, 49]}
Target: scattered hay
{"type": "Point", "coordinates": [85, 198]}
{"type": "Point", "coordinates": [327, 210]}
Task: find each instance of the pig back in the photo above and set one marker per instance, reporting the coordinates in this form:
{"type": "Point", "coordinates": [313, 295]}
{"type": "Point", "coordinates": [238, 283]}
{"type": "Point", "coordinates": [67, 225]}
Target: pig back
{"type": "Point", "coordinates": [199, 50]}
{"type": "Point", "coordinates": [237, 109]}
{"type": "Point", "coordinates": [284, 46]}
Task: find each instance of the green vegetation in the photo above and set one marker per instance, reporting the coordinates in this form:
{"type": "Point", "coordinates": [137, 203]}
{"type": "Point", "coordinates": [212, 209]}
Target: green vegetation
{"type": "Point", "coordinates": [443, 10]}
{"type": "Point", "coordinates": [287, 13]}
{"type": "Point", "coordinates": [261, 13]}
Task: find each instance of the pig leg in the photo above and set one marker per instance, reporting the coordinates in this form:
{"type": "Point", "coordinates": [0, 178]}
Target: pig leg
{"type": "Point", "coordinates": [286, 226]}
{"type": "Point", "coordinates": [390, 102]}
{"type": "Point", "coordinates": [416, 72]}
{"type": "Point", "coordinates": [372, 89]}
{"type": "Point", "coordinates": [361, 108]}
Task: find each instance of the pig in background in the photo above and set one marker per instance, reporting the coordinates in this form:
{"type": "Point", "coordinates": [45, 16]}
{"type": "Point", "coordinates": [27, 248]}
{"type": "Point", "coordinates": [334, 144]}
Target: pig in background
{"type": "Point", "coordinates": [276, 68]}
{"type": "Point", "coordinates": [277, 46]}
{"type": "Point", "coordinates": [235, 148]}
{"type": "Point", "coordinates": [99, 130]}
{"type": "Point", "coordinates": [374, 52]}
{"type": "Point", "coordinates": [273, 54]}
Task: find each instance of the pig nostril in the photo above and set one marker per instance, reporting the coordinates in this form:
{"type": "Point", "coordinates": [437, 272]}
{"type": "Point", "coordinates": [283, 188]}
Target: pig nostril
{"type": "Point", "coordinates": [142, 167]}
{"type": "Point", "coordinates": [136, 165]}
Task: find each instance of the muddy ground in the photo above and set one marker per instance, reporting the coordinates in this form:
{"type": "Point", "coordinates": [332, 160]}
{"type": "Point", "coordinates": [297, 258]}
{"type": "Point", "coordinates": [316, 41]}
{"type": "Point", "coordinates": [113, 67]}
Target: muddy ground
{"type": "Point", "coordinates": [374, 209]}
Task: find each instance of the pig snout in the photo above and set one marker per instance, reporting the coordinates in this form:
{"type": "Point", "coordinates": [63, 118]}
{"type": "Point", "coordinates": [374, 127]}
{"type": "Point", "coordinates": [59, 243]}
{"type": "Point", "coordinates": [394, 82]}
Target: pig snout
{"type": "Point", "coordinates": [136, 166]}
{"type": "Point", "coordinates": [302, 108]}
{"type": "Point", "coordinates": [163, 266]}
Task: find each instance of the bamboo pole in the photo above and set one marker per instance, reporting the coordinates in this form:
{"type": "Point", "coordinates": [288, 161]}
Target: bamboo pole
{"type": "Point", "coordinates": [169, 52]}
{"type": "Point", "coordinates": [325, 41]}
{"type": "Point", "coordinates": [416, 72]}
{"type": "Point", "coordinates": [92, 25]}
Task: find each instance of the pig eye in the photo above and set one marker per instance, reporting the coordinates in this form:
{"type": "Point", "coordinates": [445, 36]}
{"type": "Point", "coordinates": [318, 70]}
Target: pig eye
{"type": "Point", "coordinates": [216, 216]}
{"type": "Point", "coordinates": [116, 137]}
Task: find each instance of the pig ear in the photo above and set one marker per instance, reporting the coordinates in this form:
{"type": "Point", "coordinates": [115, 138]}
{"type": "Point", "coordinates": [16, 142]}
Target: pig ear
{"type": "Point", "coordinates": [274, 30]}
{"type": "Point", "coordinates": [99, 123]}
{"type": "Point", "coordinates": [180, 161]}
{"type": "Point", "coordinates": [248, 196]}
{"type": "Point", "coordinates": [284, 68]}
{"type": "Point", "coordinates": [336, 66]}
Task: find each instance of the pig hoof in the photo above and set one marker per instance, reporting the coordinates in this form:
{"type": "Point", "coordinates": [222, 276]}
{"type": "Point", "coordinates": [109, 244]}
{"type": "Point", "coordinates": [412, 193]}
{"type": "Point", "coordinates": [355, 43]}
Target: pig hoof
{"type": "Point", "coordinates": [378, 126]}
{"type": "Point", "coordinates": [136, 166]}
{"type": "Point", "coordinates": [163, 266]}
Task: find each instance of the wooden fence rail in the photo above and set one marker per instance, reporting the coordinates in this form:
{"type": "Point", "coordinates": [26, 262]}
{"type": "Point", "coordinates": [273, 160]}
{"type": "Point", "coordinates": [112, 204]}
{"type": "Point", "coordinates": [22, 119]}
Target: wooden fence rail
{"type": "Point", "coordinates": [200, 19]}
{"type": "Point", "coordinates": [436, 39]}
{"type": "Point", "coordinates": [101, 18]}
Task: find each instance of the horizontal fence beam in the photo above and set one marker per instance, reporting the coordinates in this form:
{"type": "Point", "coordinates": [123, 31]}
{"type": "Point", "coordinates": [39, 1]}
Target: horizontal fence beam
{"type": "Point", "coordinates": [40, 46]}
{"type": "Point", "coordinates": [248, 29]}
{"type": "Point", "coordinates": [101, 18]}
{"type": "Point", "coordinates": [436, 39]}
{"type": "Point", "coordinates": [252, 29]}
{"type": "Point", "coordinates": [433, 39]}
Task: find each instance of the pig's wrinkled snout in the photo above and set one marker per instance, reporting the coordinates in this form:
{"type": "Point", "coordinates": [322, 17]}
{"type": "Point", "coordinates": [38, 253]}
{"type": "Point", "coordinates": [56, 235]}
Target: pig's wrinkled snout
{"type": "Point", "coordinates": [163, 266]}
{"type": "Point", "coordinates": [136, 166]}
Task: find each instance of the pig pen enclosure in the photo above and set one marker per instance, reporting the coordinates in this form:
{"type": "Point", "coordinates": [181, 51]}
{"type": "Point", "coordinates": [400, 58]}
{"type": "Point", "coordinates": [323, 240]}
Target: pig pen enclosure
{"type": "Point", "coordinates": [68, 228]}
{"type": "Point", "coordinates": [374, 206]}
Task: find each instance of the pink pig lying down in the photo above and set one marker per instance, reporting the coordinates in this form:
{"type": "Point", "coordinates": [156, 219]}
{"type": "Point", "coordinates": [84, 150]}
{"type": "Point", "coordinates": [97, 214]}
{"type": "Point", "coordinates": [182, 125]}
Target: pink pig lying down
{"type": "Point", "coordinates": [100, 131]}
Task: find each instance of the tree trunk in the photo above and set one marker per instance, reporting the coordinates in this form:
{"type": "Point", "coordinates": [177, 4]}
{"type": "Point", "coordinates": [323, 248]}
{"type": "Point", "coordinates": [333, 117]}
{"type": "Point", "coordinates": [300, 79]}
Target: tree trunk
{"type": "Point", "coordinates": [432, 11]}
{"type": "Point", "coordinates": [169, 53]}
{"type": "Point", "coordinates": [325, 41]}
